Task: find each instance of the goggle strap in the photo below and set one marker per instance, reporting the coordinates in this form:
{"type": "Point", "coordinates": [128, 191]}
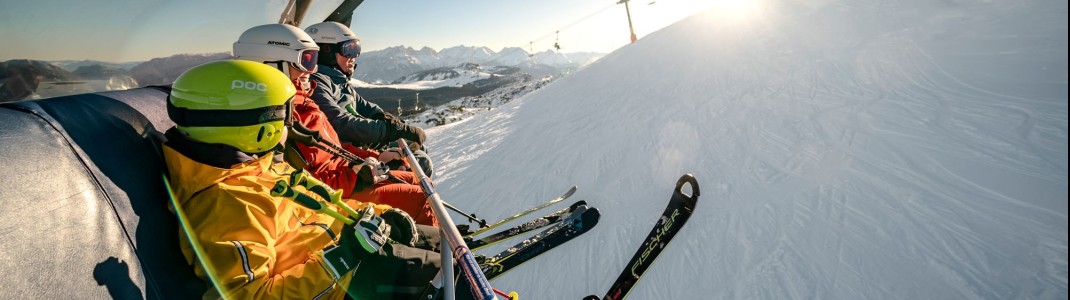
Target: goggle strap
{"type": "Point", "coordinates": [227, 118]}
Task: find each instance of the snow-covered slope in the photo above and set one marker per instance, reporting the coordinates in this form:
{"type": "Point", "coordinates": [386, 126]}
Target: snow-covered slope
{"type": "Point", "coordinates": [906, 149]}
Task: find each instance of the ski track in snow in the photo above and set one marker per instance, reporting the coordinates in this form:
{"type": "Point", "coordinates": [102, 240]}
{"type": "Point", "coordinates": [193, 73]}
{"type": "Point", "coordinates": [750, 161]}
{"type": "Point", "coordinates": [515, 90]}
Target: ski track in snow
{"type": "Point", "coordinates": [845, 150]}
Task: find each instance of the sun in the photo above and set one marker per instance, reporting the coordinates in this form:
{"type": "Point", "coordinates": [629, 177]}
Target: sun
{"type": "Point", "coordinates": [609, 29]}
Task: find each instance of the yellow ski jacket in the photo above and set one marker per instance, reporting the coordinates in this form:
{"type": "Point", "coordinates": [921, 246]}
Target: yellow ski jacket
{"type": "Point", "coordinates": [256, 246]}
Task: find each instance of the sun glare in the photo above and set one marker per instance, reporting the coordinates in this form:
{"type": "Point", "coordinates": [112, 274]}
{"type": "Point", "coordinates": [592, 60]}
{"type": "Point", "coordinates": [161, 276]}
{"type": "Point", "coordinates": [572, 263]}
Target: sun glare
{"type": "Point", "coordinates": [734, 9]}
{"type": "Point", "coordinates": [610, 28]}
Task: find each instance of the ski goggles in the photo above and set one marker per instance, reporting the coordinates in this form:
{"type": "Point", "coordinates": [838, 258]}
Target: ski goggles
{"type": "Point", "coordinates": [350, 48]}
{"type": "Point", "coordinates": [308, 60]}
{"type": "Point", "coordinates": [232, 118]}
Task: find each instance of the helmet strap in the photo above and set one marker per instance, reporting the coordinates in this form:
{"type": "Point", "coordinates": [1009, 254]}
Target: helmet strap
{"type": "Point", "coordinates": [280, 66]}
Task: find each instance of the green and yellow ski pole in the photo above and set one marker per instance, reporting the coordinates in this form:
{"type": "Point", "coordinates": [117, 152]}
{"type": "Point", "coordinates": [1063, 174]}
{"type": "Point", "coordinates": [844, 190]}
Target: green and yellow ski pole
{"type": "Point", "coordinates": [282, 189]}
{"type": "Point", "coordinates": [314, 185]}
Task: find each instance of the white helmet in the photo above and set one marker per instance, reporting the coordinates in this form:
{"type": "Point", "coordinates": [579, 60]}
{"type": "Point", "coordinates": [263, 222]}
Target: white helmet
{"type": "Point", "coordinates": [277, 43]}
{"type": "Point", "coordinates": [337, 37]}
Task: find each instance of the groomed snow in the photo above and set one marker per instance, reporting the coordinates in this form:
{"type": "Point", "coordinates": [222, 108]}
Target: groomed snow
{"type": "Point", "coordinates": [907, 149]}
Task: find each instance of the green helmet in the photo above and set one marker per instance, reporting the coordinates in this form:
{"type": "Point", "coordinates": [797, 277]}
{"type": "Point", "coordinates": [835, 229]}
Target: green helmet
{"type": "Point", "coordinates": [239, 103]}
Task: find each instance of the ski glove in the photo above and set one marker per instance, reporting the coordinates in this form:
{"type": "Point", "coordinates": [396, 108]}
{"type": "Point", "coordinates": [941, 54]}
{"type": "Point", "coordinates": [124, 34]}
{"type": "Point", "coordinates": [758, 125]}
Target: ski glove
{"type": "Point", "coordinates": [365, 237]}
{"type": "Point", "coordinates": [405, 131]}
{"type": "Point", "coordinates": [402, 227]}
{"type": "Point", "coordinates": [414, 134]}
{"type": "Point", "coordinates": [393, 120]}
{"type": "Point", "coordinates": [369, 173]}
{"type": "Point", "coordinates": [393, 158]}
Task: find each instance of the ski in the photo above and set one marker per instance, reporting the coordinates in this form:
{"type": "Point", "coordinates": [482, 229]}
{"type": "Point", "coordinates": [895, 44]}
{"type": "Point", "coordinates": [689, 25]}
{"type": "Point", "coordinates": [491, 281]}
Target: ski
{"type": "Point", "coordinates": [529, 226]}
{"type": "Point", "coordinates": [675, 215]}
{"type": "Point", "coordinates": [523, 213]}
{"type": "Point", "coordinates": [578, 222]}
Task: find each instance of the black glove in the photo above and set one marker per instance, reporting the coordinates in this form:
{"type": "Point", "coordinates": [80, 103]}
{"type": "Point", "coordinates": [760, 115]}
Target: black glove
{"type": "Point", "coordinates": [411, 133]}
{"type": "Point", "coordinates": [365, 237]}
{"type": "Point", "coordinates": [392, 120]}
{"type": "Point", "coordinates": [402, 227]}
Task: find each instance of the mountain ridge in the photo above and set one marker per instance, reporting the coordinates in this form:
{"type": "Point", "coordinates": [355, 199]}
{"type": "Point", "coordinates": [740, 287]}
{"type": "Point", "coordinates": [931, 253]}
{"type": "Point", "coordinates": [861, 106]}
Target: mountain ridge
{"type": "Point", "coordinates": [397, 64]}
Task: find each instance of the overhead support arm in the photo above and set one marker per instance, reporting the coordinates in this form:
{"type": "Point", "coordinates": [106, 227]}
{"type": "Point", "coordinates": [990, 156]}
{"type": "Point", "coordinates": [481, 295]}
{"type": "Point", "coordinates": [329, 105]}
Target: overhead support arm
{"type": "Point", "coordinates": [344, 13]}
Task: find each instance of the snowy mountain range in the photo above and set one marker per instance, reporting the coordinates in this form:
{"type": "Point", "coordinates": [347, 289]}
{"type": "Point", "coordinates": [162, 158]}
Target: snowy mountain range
{"type": "Point", "coordinates": [71, 65]}
{"type": "Point", "coordinates": [163, 71]}
{"type": "Point", "coordinates": [20, 78]}
{"type": "Point", "coordinates": [396, 67]}
{"type": "Point", "coordinates": [845, 149]}
{"type": "Point", "coordinates": [390, 64]}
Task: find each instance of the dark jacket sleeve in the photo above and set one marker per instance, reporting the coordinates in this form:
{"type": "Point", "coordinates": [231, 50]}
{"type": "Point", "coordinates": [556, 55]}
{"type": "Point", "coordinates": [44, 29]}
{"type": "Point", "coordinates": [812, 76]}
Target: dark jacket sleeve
{"type": "Point", "coordinates": [351, 128]}
{"type": "Point", "coordinates": [367, 108]}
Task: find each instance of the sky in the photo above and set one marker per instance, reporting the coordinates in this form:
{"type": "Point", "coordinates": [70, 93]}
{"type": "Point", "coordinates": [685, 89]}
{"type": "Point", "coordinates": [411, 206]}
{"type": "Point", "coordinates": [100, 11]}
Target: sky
{"type": "Point", "coordinates": [133, 30]}
{"type": "Point", "coordinates": [847, 149]}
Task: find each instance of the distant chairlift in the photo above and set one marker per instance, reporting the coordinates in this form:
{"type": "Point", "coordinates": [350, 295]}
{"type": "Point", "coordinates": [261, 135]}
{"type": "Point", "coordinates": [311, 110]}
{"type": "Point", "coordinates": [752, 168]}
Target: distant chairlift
{"type": "Point", "coordinates": [557, 38]}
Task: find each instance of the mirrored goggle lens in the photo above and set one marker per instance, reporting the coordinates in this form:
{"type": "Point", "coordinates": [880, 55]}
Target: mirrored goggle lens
{"type": "Point", "coordinates": [308, 60]}
{"type": "Point", "coordinates": [350, 48]}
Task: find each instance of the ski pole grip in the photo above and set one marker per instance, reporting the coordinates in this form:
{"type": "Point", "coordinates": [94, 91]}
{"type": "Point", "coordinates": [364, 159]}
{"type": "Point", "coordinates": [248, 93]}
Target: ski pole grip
{"type": "Point", "coordinates": [311, 134]}
{"type": "Point", "coordinates": [281, 189]}
{"type": "Point", "coordinates": [302, 178]}
{"type": "Point", "coordinates": [404, 145]}
{"type": "Point", "coordinates": [687, 178]}
{"type": "Point", "coordinates": [301, 136]}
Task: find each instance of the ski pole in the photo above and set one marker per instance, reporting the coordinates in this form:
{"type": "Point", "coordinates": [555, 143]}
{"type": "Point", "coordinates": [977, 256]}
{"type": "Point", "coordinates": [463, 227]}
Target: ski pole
{"type": "Point", "coordinates": [471, 217]}
{"type": "Point", "coordinates": [281, 189]}
{"type": "Point", "coordinates": [477, 281]}
{"type": "Point", "coordinates": [300, 177]}
{"type": "Point", "coordinates": [311, 137]}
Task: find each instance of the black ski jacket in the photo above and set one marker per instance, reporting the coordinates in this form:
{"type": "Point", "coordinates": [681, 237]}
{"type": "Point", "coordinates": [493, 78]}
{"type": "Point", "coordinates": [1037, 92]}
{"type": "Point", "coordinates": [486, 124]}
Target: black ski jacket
{"type": "Point", "coordinates": [357, 121]}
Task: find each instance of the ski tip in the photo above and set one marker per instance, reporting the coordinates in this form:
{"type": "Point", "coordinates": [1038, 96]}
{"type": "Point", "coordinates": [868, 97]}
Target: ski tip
{"type": "Point", "coordinates": [569, 193]}
{"type": "Point", "coordinates": [591, 297]}
{"type": "Point", "coordinates": [687, 178]}
{"type": "Point", "coordinates": [577, 205]}
{"type": "Point", "coordinates": [591, 216]}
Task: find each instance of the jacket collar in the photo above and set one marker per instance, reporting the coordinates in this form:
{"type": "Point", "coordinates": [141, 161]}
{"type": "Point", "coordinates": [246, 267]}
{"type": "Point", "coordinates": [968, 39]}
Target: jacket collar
{"type": "Point", "coordinates": [216, 155]}
{"type": "Point", "coordinates": [195, 166]}
{"type": "Point", "coordinates": [301, 98]}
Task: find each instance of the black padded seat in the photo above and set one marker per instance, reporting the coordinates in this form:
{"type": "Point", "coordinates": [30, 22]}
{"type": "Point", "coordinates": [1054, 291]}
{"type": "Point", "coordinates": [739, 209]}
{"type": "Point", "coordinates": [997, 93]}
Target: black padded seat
{"type": "Point", "coordinates": [83, 207]}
